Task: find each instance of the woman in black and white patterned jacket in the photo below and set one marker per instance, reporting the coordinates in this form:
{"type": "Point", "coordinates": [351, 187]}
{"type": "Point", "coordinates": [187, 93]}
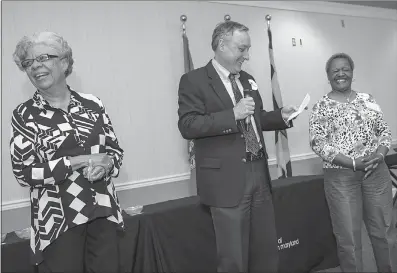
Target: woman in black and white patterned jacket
{"type": "Point", "coordinates": [348, 131]}
{"type": "Point", "coordinates": [64, 148]}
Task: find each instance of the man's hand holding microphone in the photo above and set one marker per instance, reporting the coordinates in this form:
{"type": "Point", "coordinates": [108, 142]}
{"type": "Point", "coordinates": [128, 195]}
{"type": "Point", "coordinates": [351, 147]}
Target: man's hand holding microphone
{"type": "Point", "coordinates": [244, 108]}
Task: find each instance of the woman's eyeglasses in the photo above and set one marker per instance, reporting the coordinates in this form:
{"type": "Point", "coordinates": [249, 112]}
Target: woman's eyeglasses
{"type": "Point", "coordinates": [42, 58]}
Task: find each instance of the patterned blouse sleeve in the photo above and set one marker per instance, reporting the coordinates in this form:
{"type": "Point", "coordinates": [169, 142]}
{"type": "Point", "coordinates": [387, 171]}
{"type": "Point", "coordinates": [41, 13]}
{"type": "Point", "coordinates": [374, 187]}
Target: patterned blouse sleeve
{"type": "Point", "coordinates": [320, 135]}
{"type": "Point", "coordinates": [26, 165]}
{"type": "Point", "coordinates": [382, 129]}
{"type": "Point", "coordinates": [112, 145]}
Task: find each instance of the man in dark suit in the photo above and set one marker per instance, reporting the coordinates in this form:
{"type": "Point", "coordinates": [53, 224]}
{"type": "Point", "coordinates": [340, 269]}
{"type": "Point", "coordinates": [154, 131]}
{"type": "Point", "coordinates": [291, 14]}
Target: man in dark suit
{"type": "Point", "coordinates": [231, 160]}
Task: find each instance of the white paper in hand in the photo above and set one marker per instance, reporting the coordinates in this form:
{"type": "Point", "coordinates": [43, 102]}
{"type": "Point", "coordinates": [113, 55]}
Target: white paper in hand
{"type": "Point", "coordinates": [301, 108]}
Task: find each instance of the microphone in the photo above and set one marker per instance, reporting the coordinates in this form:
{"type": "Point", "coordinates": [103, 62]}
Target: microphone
{"type": "Point", "coordinates": [247, 119]}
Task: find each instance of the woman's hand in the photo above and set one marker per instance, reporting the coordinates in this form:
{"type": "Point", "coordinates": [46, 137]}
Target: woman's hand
{"type": "Point", "coordinates": [372, 162]}
{"type": "Point", "coordinates": [94, 173]}
{"type": "Point", "coordinates": [96, 166]}
{"type": "Point", "coordinates": [99, 165]}
{"type": "Point", "coordinates": [101, 159]}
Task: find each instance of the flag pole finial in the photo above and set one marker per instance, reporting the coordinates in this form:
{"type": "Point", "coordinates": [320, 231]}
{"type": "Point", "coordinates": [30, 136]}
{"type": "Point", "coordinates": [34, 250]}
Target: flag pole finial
{"type": "Point", "coordinates": [183, 20]}
{"type": "Point", "coordinates": [268, 18]}
{"type": "Point", "coordinates": [227, 17]}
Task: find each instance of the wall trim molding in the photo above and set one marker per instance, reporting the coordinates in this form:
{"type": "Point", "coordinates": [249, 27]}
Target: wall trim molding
{"type": "Point", "coordinates": [21, 203]}
{"type": "Point", "coordinates": [306, 156]}
{"type": "Point", "coordinates": [298, 157]}
{"type": "Point", "coordinates": [152, 181]}
{"type": "Point", "coordinates": [320, 7]}
{"type": "Point", "coordinates": [25, 202]}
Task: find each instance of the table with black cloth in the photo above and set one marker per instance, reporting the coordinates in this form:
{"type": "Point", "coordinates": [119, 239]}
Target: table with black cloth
{"type": "Point", "coordinates": [178, 235]}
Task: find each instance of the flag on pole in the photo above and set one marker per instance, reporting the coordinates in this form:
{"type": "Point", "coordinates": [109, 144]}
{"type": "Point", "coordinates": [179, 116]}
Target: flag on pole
{"type": "Point", "coordinates": [281, 138]}
{"type": "Point", "coordinates": [188, 67]}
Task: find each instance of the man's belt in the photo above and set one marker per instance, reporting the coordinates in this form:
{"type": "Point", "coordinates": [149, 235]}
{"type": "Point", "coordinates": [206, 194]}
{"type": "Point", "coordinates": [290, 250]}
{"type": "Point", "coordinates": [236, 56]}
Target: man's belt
{"type": "Point", "coordinates": [251, 157]}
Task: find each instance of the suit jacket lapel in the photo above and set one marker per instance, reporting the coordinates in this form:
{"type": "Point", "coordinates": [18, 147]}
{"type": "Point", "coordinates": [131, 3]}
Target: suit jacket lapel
{"type": "Point", "coordinates": [218, 86]}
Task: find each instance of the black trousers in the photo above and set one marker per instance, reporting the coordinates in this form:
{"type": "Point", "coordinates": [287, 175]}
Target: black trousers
{"type": "Point", "coordinates": [246, 236]}
{"type": "Point", "coordinates": [91, 247]}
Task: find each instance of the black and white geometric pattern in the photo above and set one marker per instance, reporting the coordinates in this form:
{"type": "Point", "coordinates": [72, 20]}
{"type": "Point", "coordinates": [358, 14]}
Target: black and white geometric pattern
{"type": "Point", "coordinates": [42, 139]}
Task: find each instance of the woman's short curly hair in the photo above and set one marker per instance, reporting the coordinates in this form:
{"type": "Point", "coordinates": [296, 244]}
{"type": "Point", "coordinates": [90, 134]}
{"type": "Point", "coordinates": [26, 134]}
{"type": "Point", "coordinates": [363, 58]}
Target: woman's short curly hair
{"type": "Point", "coordinates": [47, 38]}
{"type": "Point", "coordinates": [339, 56]}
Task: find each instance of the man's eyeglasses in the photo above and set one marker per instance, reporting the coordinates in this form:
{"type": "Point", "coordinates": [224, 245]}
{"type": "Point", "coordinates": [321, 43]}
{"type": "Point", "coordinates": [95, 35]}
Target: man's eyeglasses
{"type": "Point", "coordinates": [42, 58]}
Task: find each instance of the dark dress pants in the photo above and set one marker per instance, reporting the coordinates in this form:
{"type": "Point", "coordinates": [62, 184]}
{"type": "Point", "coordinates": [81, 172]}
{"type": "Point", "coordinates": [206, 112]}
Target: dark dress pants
{"type": "Point", "coordinates": [246, 237]}
{"type": "Point", "coordinates": [90, 247]}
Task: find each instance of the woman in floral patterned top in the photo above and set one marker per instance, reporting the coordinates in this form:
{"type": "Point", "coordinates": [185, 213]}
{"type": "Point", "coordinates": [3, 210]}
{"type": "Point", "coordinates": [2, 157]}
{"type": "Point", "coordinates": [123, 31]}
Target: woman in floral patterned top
{"type": "Point", "coordinates": [63, 147]}
{"type": "Point", "coordinates": [348, 131]}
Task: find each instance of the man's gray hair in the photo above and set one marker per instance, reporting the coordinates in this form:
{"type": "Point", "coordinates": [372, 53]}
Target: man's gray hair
{"type": "Point", "coordinates": [224, 29]}
{"type": "Point", "coordinates": [339, 56]}
{"type": "Point", "coordinates": [47, 38]}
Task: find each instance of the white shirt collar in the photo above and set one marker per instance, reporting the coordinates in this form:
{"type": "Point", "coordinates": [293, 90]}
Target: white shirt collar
{"type": "Point", "coordinates": [222, 71]}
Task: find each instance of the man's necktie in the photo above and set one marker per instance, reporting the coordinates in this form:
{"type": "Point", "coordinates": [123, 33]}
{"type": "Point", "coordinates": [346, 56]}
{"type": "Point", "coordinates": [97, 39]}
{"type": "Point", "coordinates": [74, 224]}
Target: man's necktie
{"type": "Point", "coordinates": [251, 141]}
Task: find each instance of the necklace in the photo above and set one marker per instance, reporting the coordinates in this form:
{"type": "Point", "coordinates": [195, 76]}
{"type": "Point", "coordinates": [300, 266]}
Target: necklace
{"type": "Point", "coordinates": [61, 105]}
{"type": "Point", "coordinates": [346, 97]}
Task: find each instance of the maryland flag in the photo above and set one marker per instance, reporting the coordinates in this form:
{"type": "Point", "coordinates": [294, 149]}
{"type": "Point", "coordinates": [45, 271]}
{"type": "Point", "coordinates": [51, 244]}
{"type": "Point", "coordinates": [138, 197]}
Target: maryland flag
{"type": "Point", "coordinates": [281, 138]}
{"type": "Point", "coordinates": [188, 67]}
